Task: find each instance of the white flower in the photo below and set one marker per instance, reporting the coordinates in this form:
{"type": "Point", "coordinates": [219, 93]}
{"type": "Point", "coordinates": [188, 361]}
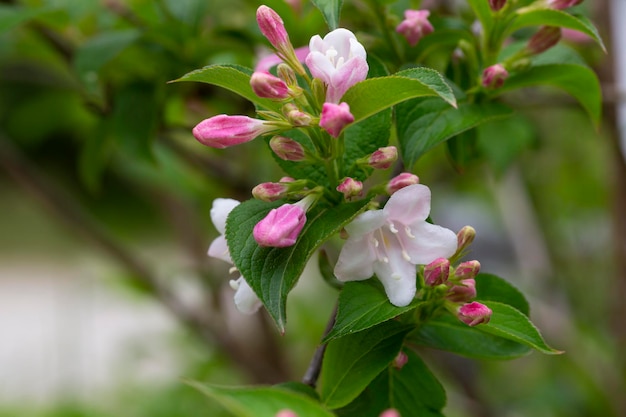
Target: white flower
{"type": "Point", "coordinates": [246, 300]}
{"type": "Point", "coordinates": [392, 241]}
{"type": "Point", "coordinates": [339, 60]}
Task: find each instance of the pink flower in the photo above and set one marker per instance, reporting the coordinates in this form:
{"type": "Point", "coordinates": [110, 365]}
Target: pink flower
{"type": "Point", "coordinates": [415, 26]}
{"type": "Point", "coordinates": [272, 27]}
{"type": "Point", "coordinates": [281, 227]}
{"type": "Point", "coordinates": [383, 158]}
{"type": "Point", "coordinates": [400, 360]}
{"type": "Point", "coordinates": [400, 181]}
{"type": "Point", "coordinates": [474, 313]}
{"type": "Point", "coordinates": [436, 272]}
{"type": "Point", "coordinates": [496, 5]}
{"type": "Point", "coordinates": [390, 413]}
{"type": "Point", "coordinates": [544, 39]}
{"type": "Point", "coordinates": [339, 60]}
{"type": "Point", "coordinates": [335, 117]}
{"type": "Point", "coordinates": [287, 149]}
{"type": "Point", "coordinates": [494, 76]}
{"type": "Point", "coordinates": [563, 4]}
{"type": "Point", "coordinates": [286, 413]}
{"type": "Point", "coordinates": [223, 131]}
{"type": "Point", "coordinates": [350, 187]}
{"type": "Point", "coordinates": [268, 86]}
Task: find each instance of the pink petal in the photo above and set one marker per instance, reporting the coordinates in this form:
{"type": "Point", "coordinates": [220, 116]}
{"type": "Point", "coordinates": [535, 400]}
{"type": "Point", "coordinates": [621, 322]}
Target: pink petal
{"type": "Point", "coordinates": [409, 204]}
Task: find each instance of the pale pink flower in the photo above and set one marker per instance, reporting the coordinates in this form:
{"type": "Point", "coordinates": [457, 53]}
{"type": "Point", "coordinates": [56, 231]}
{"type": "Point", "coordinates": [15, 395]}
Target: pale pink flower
{"type": "Point", "coordinates": [494, 76]}
{"type": "Point", "coordinates": [335, 117]}
{"type": "Point", "coordinates": [223, 130]}
{"type": "Point", "coordinates": [474, 313]}
{"type": "Point", "coordinates": [339, 60]}
{"type": "Point", "coordinates": [281, 227]}
{"type": "Point", "coordinates": [266, 85]}
{"type": "Point", "coordinates": [392, 241]}
{"type": "Point", "coordinates": [400, 181]}
{"type": "Point", "coordinates": [415, 26]}
{"type": "Point", "coordinates": [383, 158]}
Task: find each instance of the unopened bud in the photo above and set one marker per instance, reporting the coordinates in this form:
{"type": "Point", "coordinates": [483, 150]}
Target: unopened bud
{"type": "Point", "coordinates": [462, 292]}
{"type": "Point", "coordinates": [287, 149]}
{"type": "Point", "coordinates": [350, 187]}
{"type": "Point", "coordinates": [474, 313]}
{"type": "Point", "coordinates": [266, 85]}
{"type": "Point", "coordinates": [494, 76]}
{"type": "Point", "coordinates": [465, 237]}
{"type": "Point", "coordinates": [296, 116]}
{"type": "Point", "coordinates": [269, 191]}
{"type": "Point", "coordinates": [544, 39]}
{"type": "Point", "coordinates": [286, 413]}
{"type": "Point", "coordinates": [400, 181]}
{"type": "Point", "coordinates": [383, 158]}
{"type": "Point", "coordinates": [390, 413]}
{"type": "Point", "coordinates": [400, 360]}
{"type": "Point", "coordinates": [286, 73]}
{"type": "Point", "coordinates": [496, 5]}
{"type": "Point", "coordinates": [272, 27]}
{"type": "Point", "coordinates": [436, 272]}
{"type": "Point", "coordinates": [335, 117]}
{"type": "Point", "coordinates": [563, 4]}
{"type": "Point", "coordinates": [467, 270]}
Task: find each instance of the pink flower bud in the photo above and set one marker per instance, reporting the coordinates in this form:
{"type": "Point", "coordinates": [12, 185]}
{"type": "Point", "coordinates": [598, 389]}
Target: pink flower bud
{"type": "Point", "coordinates": [415, 26]}
{"type": "Point", "coordinates": [223, 131]}
{"type": "Point", "coordinates": [335, 117]}
{"type": "Point", "coordinates": [494, 76]}
{"type": "Point", "coordinates": [268, 86]}
{"type": "Point", "coordinates": [563, 4]}
{"type": "Point", "coordinates": [350, 187]}
{"type": "Point", "coordinates": [467, 270]}
{"type": "Point", "coordinates": [287, 148]}
{"type": "Point", "coordinates": [296, 116]}
{"type": "Point", "coordinates": [496, 5]}
{"type": "Point", "coordinates": [383, 158]}
{"type": "Point", "coordinates": [390, 413]}
{"type": "Point", "coordinates": [400, 360]}
{"type": "Point", "coordinates": [465, 237]}
{"type": "Point", "coordinates": [436, 272]}
{"type": "Point", "coordinates": [281, 227]}
{"type": "Point", "coordinates": [474, 313]}
{"type": "Point", "coordinates": [272, 27]}
{"type": "Point", "coordinates": [286, 413]}
{"type": "Point", "coordinates": [287, 179]}
{"type": "Point", "coordinates": [400, 181]}
{"type": "Point", "coordinates": [544, 39]}
{"type": "Point", "coordinates": [269, 191]}
{"type": "Point", "coordinates": [464, 291]}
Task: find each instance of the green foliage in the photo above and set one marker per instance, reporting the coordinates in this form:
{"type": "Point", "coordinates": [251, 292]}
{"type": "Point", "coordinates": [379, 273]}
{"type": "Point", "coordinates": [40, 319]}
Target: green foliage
{"type": "Point", "coordinates": [331, 9]}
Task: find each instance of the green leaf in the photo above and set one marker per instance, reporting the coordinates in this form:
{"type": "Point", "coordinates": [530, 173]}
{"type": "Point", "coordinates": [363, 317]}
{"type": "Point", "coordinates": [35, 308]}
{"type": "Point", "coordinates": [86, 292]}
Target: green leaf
{"type": "Point", "coordinates": [483, 12]}
{"type": "Point", "coordinates": [12, 16]}
{"type": "Point", "coordinates": [363, 304]}
{"type": "Point", "coordinates": [533, 16]}
{"type": "Point", "coordinates": [261, 401]}
{"type": "Point", "coordinates": [102, 48]}
{"type": "Point", "coordinates": [509, 323]}
{"type": "Point", "coordinates": [273, 272]}
{"type": "Point", "coordinates": [363, 138]}
{"type": "Point", "coordinates": [232, 77]}
{"type": "Point", "coordinates": [493, 288]}
{"type": "Point", "coordinates": [331, 10]}
{"type": "Point", "coordinates": [352, 362]}
{"type": "Point", "coordinates": [373, 95]}
{"type": "Point", "coordinates": [579, 81]}
{"type": "Point", "coordinates": [425, 123]}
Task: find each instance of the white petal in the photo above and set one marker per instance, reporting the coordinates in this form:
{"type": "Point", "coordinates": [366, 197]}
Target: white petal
{"type": "Point", "coordinates": [409, 204]}
{"type": "Point", "coordinates": [320, 66]}
{"type": "Point", "coordinates": [365, 223]}
{"type": "Point", "coordinates": [245, 298]}
{"type": "Point", "coordinates": [356, 260]}
{"type": "Point", "coordinates": [219, 249]}
{"type": "Point", "coordinates": [220, 210]}
{"type": "Point", "coordinates": [430, 242]}
{"type": "Point", "coordinates": [340, 40]}
{"type": "Point", "coordinates": [398, 277]}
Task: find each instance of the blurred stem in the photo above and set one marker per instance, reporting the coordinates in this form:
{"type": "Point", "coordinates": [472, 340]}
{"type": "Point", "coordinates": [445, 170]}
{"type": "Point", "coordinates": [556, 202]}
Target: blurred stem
{"type": "Point", "coordinates": [380, 13]}
{"type": "Point", "coordinates": [315, 366]}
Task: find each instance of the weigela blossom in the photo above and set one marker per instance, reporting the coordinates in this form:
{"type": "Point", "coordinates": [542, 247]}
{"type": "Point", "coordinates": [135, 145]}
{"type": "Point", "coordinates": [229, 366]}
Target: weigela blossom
{"type": "Point", "coordinates": [415, 26]}
{"type": "Point", "coordinates": [350, 187]}
{"type": "Point", "coordinates": [474, 313]}
{"type": "Point", "coordinates": [494, 76]}
{"type": "Point", "coordinates": [400, 181]}
{"type": "Point", "coordinates": [383, 158]}
{"type": "Point", "coordinates": [287, 148]}
{"type": "Point", "coordinates": [223, 130]}
{"type": "Point", "coordinates": [281, 227]}
{"type": "Point", "coordinates": [464, 291]}
{"type": "Point", "coordinates": [245, 299]}
{"type": "Point", "coordinates": [436, 272]}
{"type": "Point", "coordinates": [392, 241]}
{"type": "Point", "coordinates": [339, 60]}
{"type": "Point", "coordinates": [335, 117]}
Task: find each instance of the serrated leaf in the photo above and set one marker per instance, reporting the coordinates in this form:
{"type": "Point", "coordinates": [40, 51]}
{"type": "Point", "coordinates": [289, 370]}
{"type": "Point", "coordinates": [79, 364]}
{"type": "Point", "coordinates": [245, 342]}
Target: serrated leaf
{"type": "Point", "coordinates": [373, 95]}
{"type": "Point", "coordinates": [363, 304]}
{"type": "Point", "coordinates": [352, 362]}
{"type": "Point", "coordinates": [363, 138]}
{"type": "Point", "coordinates": [448, 333]}
{"type": "Point", "coordinates": [509, 323]}
{"type": "Point", "coordinates": [533, 16]}
{"type": "Point", "coordinates": [261, 401]}
{"type": "Point", "coordinates": [490, 287]}
{"type": "Point", "coordinates": [273, 272]}
{"type": "Point", "coordinates": [331, 10]}
{"type": "Point", "coordinates": [425, 123]}
{"type": "Point", "coordinates": [231, 77]}
{"type": "Point", "coordinates": [579, 81]}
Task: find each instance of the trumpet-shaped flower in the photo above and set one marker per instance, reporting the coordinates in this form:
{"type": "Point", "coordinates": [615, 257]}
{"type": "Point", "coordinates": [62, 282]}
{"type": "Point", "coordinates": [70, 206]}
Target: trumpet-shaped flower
{"type": "Point", "coordinates": [246, 300]}
{"type": "Point", "coordinates": [392, 241]}
{"type": "Point", "coordinates": [339, 60]}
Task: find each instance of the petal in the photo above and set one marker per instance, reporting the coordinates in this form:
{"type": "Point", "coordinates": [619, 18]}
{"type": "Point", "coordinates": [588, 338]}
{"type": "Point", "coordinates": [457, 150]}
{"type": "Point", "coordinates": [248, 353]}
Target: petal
{"type": "Point", "coordinates": [316, 44]}
{"type": "Point", "coordinates": [429, 242]}
{"type": "Point", "coordinates": [409, 204]}
{"type": "Point", "coordinates": [365, 223]}
{"type": "Point", "coordinates": [320, 66]}
{"type": "Point", "coordinates": [220, 210]}
{"type": "Point", "coordinates": [219, 249]}
{"type": "Point", "coordinates": [356, 260]}
{"type": "Point", "coordinates": [340, 40]}
{"type": "Point", "coordinates": [398, 277]}
{"type": "Point", "coordinates": [353, 71]}
{"type": "Point", "coordinates": [245, 298]}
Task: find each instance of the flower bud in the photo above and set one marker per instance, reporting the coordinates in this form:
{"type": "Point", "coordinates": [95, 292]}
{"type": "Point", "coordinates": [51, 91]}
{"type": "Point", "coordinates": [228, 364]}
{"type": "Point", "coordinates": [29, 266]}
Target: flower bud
{"type": "Point", "coordinates": [467, 270]}
{"type": "Point", "coordinates": [400, 181]}
{"type": "Point", "coordinates": [390, 413]}
{"type": "Point", "coordinates": [544, 39]}
{"type": "Point", "coordinates": [474, 313]}
{"type": "Point", "coordinates": [287, 179]}
{"type": "Point", "coordinates": [496, 5]}
{"type": "Point", "coordinates": [383, 158]}
{"type": "Point", "coordinates": [335, 117]}
{"type": "Point", "coordinates": [287, 149]}
{"type": "Point", "coordinates": [281, 227]}
{"type": "Point", "coordinates": [350, 187]}
{"type": "Point", "coordinates": [269, 191]}
{"type": "Point", "coordinates": [563, 4]}
{"type": "Point", "coordinates": [223, 131]}
{"type": "Point", "coordinates": [273, 28]}
{"type": "Point", "coordinates": [286, 73]}
{"type": "Point", "coordinates": [266, 85]}
{"type": "Point", "coordinates": [286, 413]}
{"type": "Point", "coordinates": [465, 237]}
{"type": "Point", "coordinates": [494, 76]}
{"type": "Point", "coordinates": [415, 26]}
{"type": "Point", "coordinates": [296, 116]}
{"type": "Point", "coordinates": [400, 360]}
{"type": "Point", "coordinates": [462, 292]}
{"type": "Point", "coordinates": [436, 272]}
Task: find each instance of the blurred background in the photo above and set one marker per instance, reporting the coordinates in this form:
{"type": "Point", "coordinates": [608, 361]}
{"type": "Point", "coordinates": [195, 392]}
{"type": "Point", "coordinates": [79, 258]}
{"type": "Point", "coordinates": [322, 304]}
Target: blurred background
{"type": "Point", "coordinates": [107, 299]}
